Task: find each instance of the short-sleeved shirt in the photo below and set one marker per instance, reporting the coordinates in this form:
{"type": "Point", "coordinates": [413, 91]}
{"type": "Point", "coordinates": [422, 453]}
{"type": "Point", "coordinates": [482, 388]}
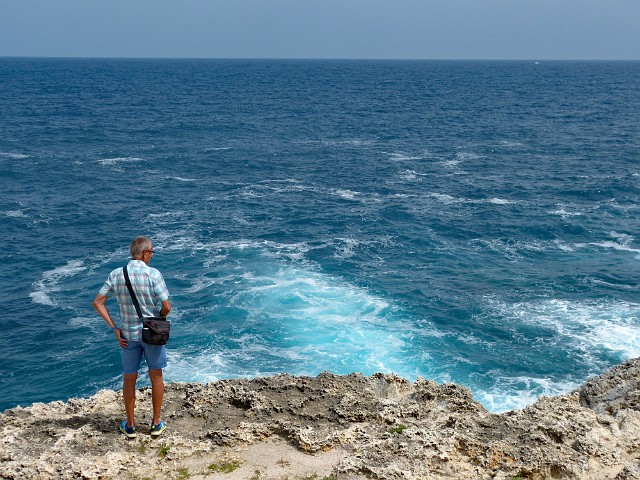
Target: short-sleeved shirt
{"type": "Point", "coordinates": [149, 288]}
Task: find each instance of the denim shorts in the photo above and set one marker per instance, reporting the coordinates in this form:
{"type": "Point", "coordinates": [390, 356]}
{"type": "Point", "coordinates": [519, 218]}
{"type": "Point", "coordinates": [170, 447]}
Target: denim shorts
{"type": "Point", "coordinates": [155, 355]}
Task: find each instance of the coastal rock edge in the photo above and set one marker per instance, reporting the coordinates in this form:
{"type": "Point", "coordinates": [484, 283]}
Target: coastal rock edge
{"type": "Point", "coordinates": [332, 427]}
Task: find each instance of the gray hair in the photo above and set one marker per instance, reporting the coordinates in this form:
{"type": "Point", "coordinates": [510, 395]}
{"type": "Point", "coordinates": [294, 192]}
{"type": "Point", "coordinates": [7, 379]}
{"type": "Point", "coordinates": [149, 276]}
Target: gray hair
{"type": "Point", "coordinates": [139, 245]}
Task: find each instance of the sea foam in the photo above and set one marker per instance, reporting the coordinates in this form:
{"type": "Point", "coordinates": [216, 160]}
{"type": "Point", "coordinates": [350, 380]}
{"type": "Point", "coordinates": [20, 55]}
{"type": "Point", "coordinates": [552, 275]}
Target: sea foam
{"type": "Point", "coordinates": [49, 282]}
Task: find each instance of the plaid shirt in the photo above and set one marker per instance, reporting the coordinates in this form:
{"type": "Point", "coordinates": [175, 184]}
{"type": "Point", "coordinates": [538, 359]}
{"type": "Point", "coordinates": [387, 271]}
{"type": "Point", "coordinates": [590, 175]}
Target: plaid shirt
{"type": "Point", "coordinates": [149, 288]}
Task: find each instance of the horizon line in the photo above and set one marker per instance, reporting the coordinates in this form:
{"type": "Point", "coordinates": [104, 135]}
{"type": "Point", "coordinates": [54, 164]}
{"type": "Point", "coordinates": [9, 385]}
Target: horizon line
{"type": "Point", "coordinates": [407, 59]}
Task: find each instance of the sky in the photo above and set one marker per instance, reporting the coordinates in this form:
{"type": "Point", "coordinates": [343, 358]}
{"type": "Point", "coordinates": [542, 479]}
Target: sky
{"type": "Point", "coordinates": [352, 29]}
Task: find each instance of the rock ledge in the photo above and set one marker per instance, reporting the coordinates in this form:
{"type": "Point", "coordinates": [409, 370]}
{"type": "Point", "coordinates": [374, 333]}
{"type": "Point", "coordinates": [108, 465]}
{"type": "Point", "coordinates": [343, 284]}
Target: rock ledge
{"type": "Point", "coordinates": [331, 426]}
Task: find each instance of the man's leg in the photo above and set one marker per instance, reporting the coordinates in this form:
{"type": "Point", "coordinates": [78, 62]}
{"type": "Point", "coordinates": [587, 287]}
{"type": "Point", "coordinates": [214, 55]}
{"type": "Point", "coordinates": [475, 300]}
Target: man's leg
{"type": "Point", "coordinates": [157, 393]}
{"type": "Point", "coordinates": [129, 394]}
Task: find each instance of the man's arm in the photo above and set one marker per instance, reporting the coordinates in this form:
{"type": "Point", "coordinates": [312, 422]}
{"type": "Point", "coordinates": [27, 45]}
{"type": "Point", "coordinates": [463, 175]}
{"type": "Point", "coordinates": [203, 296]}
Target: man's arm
{"type": "Point", "coordinates": [101, 308]}
{"type": "Point", "coordinates": [99, 305]}
{"type": "Point", "coordinates": [166, 308]}
{"type": "Point", "coordinates": [160, 291]}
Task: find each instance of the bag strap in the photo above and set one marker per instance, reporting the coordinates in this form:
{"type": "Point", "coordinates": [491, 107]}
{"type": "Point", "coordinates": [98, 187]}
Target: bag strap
{"type": "Point", "coordinates": [127, 282]}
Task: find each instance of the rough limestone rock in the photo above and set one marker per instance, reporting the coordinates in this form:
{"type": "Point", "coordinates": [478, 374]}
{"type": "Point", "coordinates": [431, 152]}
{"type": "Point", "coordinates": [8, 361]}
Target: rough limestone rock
{"type": "Point", "coordinates": [330, 426]}
{"type": "Point", "coordinates": [617, 389]}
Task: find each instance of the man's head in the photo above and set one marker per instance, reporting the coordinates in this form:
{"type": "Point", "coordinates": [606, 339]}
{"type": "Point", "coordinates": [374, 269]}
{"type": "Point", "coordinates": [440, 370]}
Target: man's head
{"type": "Point", "coordinates": [141, 248]}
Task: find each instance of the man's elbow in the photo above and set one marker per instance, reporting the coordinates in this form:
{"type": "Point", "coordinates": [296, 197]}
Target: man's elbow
{"type": "Point", "coordinates": [99, 302]}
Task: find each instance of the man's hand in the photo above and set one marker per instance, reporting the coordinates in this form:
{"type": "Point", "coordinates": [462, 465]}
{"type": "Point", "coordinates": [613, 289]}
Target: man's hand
{"type": "Point", "coordinates": [121, 340]}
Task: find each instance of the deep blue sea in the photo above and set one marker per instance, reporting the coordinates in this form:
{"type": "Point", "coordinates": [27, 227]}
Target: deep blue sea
{"type": "Point", "coordinates": [474, 222]}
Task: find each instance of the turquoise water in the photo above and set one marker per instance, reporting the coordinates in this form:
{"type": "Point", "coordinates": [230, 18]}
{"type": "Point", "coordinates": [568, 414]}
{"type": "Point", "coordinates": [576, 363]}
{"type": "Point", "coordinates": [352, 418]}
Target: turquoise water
{"type": "Point", "coordinates": [472, 222]}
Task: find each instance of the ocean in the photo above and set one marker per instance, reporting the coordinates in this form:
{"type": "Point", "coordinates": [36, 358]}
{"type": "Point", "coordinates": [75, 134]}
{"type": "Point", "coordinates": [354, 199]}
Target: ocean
{"type": "Point", "coordinates": [463, 221]}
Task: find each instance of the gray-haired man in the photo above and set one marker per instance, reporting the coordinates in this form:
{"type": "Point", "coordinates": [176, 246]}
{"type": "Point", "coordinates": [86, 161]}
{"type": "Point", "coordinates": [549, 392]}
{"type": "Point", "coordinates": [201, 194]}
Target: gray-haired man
{"type": "Point", "coordinates": [153, 297]}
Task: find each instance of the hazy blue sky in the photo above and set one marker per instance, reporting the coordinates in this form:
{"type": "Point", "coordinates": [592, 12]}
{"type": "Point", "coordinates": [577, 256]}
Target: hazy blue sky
{"type": "Point", "coordinates": [430, 29]}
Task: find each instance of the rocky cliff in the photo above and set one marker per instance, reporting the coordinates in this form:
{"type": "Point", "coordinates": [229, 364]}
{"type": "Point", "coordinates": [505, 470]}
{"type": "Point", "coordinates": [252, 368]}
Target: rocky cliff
{"type": "Point", "coordinates": [333, 427]}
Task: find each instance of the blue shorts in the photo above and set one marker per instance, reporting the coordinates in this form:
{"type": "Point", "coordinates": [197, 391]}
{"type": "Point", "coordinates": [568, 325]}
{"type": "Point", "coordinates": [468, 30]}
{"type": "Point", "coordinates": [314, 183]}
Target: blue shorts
{"type": "Point", "coordinates": [155, 355]}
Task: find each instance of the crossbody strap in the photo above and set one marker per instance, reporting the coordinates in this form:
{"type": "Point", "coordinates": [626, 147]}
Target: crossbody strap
{"type": "Point", "coordinates": [127, 282]}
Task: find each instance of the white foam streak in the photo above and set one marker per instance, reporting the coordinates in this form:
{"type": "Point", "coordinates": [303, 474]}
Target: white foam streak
{"type": "Point", "coordinates": [468, 156]}
{"type": "Point", "coordinates": [511, 144]}
{"type": "Point", "coordinates": [397, 156]}
{"type": "Point", "coordinates": [501, 201]}
{"type": "Point", "coordinates": [447, 199]}
{"type": "Point", "coordinates": [199, 285]}
{"type": "Point", "coordinates": [93, 323]}
{"type": "Point", "coordinates": [48, 284]}
{"type": "Point", "coordinates": [117, 160]}
{"type": "Point", "coordinates": [615, 246]}
{"type": "Point", "coordinates": [499, 399]}
{"type": "Point", "coordinates": [450, 163]}
{"type": "Point", "coordinates": [564, 213]}
{"type": "Point", "coordinates": [183, 179]}
{"type": "Point", "coordinates": [563, 246]}
{"type": "Point", "coordinates": [15, 214]}
{"type": "Point", "coordinates": [346, 194]}
{"type": "Point", "coordinates": [166, 214]}
{"type": "Point", "coordinates": [346, 250]}
{"type": "Point", "coordinates": [14, 156]}
{"type": "Point", "coordinates": [590, 328]}
{"type": "Point", "coordinates": [210, 366]}
{"type": "Point", "coordinates": [590, 334]}
{"type": "Point", "coordinates": [622, 242]}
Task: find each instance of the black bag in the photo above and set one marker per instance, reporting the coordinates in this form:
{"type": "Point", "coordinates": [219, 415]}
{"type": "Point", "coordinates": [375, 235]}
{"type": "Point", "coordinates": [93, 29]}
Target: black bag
{"type": "Point", "coordinates": [155, 330]}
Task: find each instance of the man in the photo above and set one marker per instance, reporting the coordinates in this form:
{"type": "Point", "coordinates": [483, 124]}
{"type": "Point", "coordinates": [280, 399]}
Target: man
{"type": "Point", "coordinates": [153, 297]}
